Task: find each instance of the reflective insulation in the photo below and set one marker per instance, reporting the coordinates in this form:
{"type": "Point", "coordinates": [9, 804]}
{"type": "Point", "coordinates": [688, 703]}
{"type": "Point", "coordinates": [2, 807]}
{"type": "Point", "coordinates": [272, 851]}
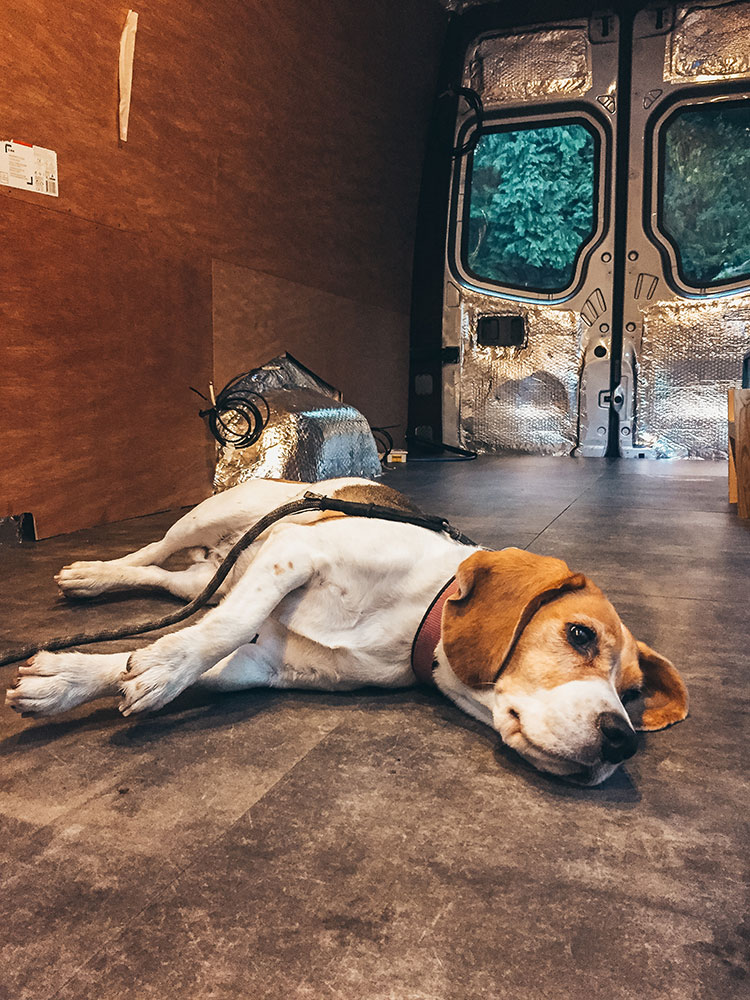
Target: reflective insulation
{"type": "Point", "coordinates": [285, 372]}
{"type": "Point", "coordinates": [709, 43]}
{"type": "Point", "coordinates": [544, 63]}
{"type": "Point", "coordinates": [522, 399]}
{"type": "Point", "coordinates": [691, 354]}
{"type": "Point", "coordinates": [309, 435]}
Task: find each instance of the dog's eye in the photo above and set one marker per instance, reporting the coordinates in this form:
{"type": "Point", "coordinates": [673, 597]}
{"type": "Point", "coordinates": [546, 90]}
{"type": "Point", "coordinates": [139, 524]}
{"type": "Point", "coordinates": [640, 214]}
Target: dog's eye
{"type": "Point", "coordinates": [630, 695]}
{"type": "Point", "coordinates": [580, 637]}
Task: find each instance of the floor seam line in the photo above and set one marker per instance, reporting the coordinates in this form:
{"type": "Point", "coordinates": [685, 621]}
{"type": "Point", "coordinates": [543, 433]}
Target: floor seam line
{"type": "Point", "coordinates": [677, 597]}
{"type": "Point", "coordinates": [563, 511]}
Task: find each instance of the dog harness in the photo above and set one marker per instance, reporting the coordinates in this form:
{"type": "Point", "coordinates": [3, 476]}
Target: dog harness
{"type": "Point", "coordinates": [428, 634]}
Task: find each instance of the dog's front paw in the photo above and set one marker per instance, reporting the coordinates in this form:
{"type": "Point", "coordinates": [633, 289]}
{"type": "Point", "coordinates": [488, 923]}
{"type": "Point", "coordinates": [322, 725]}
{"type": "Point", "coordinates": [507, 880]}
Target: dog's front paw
{"type": "Point", "coordinates": [157, 674]}
{"type": "Point", "coordinates": [51, 683]}
{"type": "Point", "coordinates": [80, 580]}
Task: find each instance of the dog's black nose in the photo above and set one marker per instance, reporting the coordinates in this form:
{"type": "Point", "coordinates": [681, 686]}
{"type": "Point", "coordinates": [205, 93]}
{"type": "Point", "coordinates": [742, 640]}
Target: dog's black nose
{"type": "Point", "coordinates": [619, 742]}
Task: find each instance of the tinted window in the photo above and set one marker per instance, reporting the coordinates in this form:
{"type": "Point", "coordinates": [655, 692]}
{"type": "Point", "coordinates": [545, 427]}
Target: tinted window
{"type": "Point", "coordinates": [705, 193]}
{"type": "Point", "coordinates": [531, 206]}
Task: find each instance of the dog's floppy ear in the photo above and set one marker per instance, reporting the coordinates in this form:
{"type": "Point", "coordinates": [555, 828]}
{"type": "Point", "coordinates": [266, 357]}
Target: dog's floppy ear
{"type": "Point", "coordinates": [664, 697]}
{"type": "Point", "coordinates": [498, 594]}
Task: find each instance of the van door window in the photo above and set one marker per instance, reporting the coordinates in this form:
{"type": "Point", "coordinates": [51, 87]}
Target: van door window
{"type": "Point", "coordinates": [704, 206]}
{"type": "Point", "coordinates": [531, 206]}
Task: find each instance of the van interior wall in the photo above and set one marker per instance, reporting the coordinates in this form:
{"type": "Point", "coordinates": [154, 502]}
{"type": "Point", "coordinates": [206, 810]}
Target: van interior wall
{"type": "Point", "coordinates": [265, 200]}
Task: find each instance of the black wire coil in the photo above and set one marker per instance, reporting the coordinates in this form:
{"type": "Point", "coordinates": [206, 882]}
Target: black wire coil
{"type": "Point", "coordinates": [248, 410]}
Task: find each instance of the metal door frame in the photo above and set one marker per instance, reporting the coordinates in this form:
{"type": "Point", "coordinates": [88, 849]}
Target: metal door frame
{"type": "Point", "coordinates": [646, 29]}
{"type": "Point", "coordinates": [598, 106]}
{"type": "Point", "coordinates": [650, 273]}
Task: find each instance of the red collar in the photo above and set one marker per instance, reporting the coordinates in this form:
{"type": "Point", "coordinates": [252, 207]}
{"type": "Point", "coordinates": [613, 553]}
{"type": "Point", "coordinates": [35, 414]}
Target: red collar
{"type": "Point", "coordinates": [428, 634]}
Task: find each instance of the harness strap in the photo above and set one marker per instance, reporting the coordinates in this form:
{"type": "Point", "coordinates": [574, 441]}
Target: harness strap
{"type": "Point", "coordinates": [428, 634]}
{"type": "Point", "coordinates": [374, 510]}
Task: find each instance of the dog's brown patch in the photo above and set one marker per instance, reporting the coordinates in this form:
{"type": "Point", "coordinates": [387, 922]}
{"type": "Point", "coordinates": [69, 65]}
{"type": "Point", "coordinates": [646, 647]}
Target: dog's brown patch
{"type": "Point", "coordinates": [383, 496]}
{"type": "Point", "coordinates": [664, 697]}
{"type": "Point", "coordinates": [499, 593]}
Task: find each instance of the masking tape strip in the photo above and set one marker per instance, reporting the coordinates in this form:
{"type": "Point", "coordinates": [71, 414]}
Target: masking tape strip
{"type": "Point", "coordinates": [127, 51]}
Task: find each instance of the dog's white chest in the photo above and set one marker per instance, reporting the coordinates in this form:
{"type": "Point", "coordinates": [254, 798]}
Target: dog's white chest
{"type": "Point", "coordinates": [357, 625]}
{"type": "Point", "coordinates": [347, 636]}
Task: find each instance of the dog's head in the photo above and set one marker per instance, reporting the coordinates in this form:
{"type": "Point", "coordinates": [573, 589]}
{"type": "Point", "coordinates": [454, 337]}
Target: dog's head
{"type": "Point", "coordinates": [549, 657]}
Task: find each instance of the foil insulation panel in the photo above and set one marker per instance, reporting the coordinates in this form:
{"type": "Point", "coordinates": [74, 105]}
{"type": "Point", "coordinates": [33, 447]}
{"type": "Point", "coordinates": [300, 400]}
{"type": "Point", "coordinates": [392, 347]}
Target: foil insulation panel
{"type": "Point", "coordinates": [522, 399]}
{"type": "Point", "coordinates": [709, 42]}
{"type": "Point", "coordinates": [308, 437]}
{"type": "Point", "coordinates": [691, 354]}
{"type": "Point", "coordinates": [310, 433]}
{"type": "Point", "coordinates": [285, 372]}
{"type": "Point", "coordinates": [545, 63]}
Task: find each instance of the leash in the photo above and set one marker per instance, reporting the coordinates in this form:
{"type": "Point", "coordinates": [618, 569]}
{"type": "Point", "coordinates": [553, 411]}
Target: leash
{"type": "Point", "coordinates": [310, 501]}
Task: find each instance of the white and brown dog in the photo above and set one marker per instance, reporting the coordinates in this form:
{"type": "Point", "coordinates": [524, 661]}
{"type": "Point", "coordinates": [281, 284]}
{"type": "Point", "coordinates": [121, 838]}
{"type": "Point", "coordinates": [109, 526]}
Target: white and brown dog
{"type": "Point", "coordinates": [332, 602]}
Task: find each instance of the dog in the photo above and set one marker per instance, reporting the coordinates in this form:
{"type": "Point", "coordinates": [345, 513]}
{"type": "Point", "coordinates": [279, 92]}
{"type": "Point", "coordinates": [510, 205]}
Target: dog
{"type": "Point", "coordinates": [332, 602]}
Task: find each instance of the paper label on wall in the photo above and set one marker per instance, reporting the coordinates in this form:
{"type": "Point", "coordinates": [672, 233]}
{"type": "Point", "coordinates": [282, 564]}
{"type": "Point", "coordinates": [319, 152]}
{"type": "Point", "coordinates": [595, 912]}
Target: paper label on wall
{"type": "Point", "coordinates": [29, 168]}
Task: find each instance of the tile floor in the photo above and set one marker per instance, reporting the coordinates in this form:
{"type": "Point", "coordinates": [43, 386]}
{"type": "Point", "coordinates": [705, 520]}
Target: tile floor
{"type": "Point", "coordinates": [383, 846]}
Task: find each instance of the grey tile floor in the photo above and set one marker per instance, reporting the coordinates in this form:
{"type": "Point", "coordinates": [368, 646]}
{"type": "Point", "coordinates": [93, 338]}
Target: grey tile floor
{"type": "Point", "coordinates": [383, 846]}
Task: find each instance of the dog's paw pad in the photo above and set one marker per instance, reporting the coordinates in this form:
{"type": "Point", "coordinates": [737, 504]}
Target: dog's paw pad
{"type": "Point", "coordinates": [155, 675]}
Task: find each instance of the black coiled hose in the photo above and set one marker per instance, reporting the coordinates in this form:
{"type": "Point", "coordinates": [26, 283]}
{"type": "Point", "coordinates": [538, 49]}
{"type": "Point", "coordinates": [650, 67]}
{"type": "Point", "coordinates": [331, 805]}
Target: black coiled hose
{"type": "Point", "coordinates": [247, 409]}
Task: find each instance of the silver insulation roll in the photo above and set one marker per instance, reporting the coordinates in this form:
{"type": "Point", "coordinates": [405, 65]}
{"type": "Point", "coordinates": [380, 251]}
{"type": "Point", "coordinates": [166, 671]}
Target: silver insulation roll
{"type": "Point", "coordinates": [310, 434]}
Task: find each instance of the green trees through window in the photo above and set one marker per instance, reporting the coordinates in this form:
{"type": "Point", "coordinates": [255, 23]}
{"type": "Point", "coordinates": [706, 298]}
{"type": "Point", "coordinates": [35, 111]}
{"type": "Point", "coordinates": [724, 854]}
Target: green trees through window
{"type": "Point", "coordinates": [531, 205]}
{"type": "Point", "coordinates": [705, 197]}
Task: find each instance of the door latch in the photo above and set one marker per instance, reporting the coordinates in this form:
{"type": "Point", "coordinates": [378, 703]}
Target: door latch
{"type": "Point", "coordinates": [605, 397]}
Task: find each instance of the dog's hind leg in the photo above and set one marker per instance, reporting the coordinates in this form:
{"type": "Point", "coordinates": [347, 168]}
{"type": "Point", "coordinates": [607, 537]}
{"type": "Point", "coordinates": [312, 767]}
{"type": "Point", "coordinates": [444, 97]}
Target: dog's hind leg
{"type": "Point", "coordinates": [141, 569]}
{"type": "Point", "coordinates": [90, 579]}
{"type": "Point", "coordinates": [158, 673]}
{"type": "Point", "coordinates": [218, 519]}
{"type": "Point", "coordinates": [195, 530]}
{"type": "Point", "coordinates": [225, 515]}
{"type": "Point", "coordinates": [51, 683]}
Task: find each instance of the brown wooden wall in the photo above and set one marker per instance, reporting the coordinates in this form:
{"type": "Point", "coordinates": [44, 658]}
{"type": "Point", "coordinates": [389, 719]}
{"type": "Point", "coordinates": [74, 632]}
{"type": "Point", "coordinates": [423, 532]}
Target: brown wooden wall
{"type": "Point", "coordinates": [265, 200]}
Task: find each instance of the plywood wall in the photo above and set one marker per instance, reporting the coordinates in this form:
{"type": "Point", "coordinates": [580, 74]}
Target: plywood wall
{"type": "Point", "coordinates": [360, 348]}
{"type": "Point", "coordinates": [265, 200]}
